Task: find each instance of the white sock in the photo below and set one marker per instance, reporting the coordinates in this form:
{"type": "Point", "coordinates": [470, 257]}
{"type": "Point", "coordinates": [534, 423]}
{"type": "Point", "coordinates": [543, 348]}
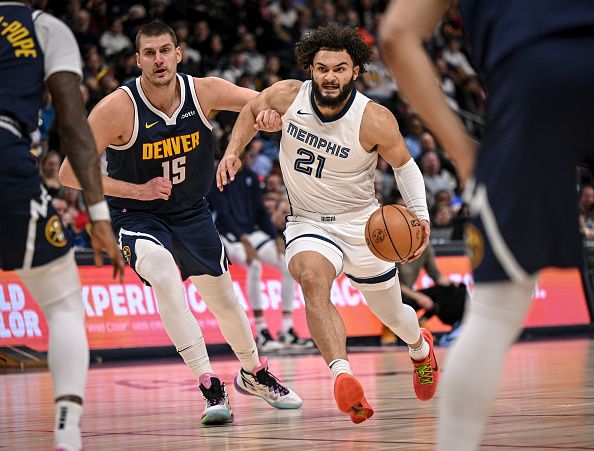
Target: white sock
{"type": "Point", "coordinates": [67, 426]}
{"type": "Point", "coordinates": [419, 354]}
{"type": "Point", "coordinates": [260, 323]}
{"type": "Point", "coordinates": [196, 357]}
{"type": "Point", "coordinates": [287, 323]}
{"type": "Point", "coordinates": [339, 366]}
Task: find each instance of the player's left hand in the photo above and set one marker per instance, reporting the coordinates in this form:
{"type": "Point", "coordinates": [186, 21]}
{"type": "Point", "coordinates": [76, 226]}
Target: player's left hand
{"type": "Point", "coordinates": [268, 121]}
{"type": "Point", "coordinates": [103, 239]}
{"type": "Point", "coordinates": [228, 166]}
{"type": "Point", "coordinates": [425, 243]}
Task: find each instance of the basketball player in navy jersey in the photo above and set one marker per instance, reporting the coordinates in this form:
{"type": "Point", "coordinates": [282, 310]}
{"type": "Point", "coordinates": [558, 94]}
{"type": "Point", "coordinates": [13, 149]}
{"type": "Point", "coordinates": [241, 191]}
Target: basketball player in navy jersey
{"type": "Point", "coordinates": [534, 57]}
{"type": "Point", "coordinates": [332, 136]}
{"type": "Point", "coordinates": [160, 164]}
{"type": "Point", "coordinates": [36, 48]}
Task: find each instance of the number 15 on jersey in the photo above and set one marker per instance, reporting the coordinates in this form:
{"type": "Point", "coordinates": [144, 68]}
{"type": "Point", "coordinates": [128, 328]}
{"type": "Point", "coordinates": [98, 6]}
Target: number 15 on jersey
{"type": "Point", "coordinates": [175, 170]}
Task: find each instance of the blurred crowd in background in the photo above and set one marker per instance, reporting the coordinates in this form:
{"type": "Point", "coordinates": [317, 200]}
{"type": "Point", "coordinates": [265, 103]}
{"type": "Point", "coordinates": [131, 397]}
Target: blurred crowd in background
{"type": "Point", "coordinates": [250, 43]}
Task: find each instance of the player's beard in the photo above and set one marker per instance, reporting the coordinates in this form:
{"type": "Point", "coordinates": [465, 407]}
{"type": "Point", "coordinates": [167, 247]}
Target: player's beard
{"type": "Point", "coordinates": [160, 82]}
{"type": "Point", "coordinates": [332, 101]}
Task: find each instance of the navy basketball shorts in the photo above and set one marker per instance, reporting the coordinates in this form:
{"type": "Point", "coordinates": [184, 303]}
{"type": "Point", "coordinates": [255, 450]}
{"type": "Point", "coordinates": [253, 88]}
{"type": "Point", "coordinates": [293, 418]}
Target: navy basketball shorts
{"type": "Point", "coordinates": [191, 237]}
{"type": "Point", "coordinates": [31, 232]}
{"type": "Point", "coordinates": [539, 126]}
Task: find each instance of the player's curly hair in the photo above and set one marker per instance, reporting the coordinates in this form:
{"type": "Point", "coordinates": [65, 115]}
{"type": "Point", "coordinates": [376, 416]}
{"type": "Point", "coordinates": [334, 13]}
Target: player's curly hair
{"type": "Point", "coordinates": [333, 37]}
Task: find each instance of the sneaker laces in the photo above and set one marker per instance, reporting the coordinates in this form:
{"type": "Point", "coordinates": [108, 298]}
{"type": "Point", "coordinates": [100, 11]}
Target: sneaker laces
{"type": "Point", "coordinates": [215, 395]}
{"type": "Point", "coordinates": [424, 372]}
{"type": "Point", "coordinates": [268, 379]}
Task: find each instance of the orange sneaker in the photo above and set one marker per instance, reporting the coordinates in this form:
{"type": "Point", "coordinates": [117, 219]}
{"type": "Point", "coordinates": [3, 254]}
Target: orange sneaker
{"type": "Point", "coordinates": [350, 398]}
{"type": "Point", "coordinates": [426, 372]}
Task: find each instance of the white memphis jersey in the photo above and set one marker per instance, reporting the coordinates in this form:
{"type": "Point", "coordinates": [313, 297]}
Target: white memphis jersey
{"type": "Point", "coordinates": [325, 168]}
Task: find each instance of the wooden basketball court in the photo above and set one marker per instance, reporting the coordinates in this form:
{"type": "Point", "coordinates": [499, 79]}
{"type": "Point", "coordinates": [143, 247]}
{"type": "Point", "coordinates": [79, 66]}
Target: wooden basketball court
{"type": "Point", "coordinates": [546, 402]}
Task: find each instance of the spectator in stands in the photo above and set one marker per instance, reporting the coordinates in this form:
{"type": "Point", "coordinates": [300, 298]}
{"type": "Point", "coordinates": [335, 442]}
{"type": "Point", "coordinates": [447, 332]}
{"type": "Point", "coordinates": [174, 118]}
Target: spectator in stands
{"type": "Point", "coordinates": [255, 60]}
{"type": "Point", "coordinates": [473, 96]}
{"type": "Point", "coordinates": [190, 63]}
{"type": "Point", "coordinates": [442, 222]}
{"type": "Point", "coordinates": [448, 85]}
{"type": "Point", "coordinates": [379, 84]}
{"type": "Point", "coordinates": [384, 179]}
{"type": "Point", "coordinates": [213, 57]}
{"type": "Point", "coordinates": [435, 178]}
{"type": "Point", "coordinates": [287, 13]}
{"type": "Point", "coordinates": [454, 56]}
{"type": "Point", "coordinates": [49, 167]}
{"type": "Point", "coordinates": [428, 144]}
{"type": "Point", "coordinates": [125, 67]}
{"type": "Point", "coordinates": [81, 28]}
{"type": "Point", "coordinates": [113, 41]}
{"type": "Point", "coordinates": [201, 40]}
{"type": "Point", "coordinates": [304, 23]}
{"type": "Point", "coordinates": [586, 209]}
{"type": "Point", "coordinates": [74, 216]}
{"type": "Point", "coordinates": [258, 162]}
{"type": "Point", "coordinates": [274, 184]}
{"type": "Point", "coordinates": [413, 136]}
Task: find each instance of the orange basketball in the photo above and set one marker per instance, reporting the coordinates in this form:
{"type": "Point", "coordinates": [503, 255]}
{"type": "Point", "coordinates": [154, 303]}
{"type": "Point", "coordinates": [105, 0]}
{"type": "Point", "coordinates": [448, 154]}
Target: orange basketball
{"type": "Point", "coordinates": [393, 233]}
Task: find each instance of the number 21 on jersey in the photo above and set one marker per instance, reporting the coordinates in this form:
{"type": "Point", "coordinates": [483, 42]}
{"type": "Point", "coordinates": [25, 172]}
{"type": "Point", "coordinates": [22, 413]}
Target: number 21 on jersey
{"type": "Point", "coordinates": [306, 164]}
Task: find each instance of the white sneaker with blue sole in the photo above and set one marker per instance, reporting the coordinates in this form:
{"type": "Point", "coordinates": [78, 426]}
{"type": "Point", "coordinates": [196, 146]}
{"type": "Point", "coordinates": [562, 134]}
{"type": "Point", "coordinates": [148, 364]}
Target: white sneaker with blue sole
{"type": "Point", "coordinates": [218, 409]}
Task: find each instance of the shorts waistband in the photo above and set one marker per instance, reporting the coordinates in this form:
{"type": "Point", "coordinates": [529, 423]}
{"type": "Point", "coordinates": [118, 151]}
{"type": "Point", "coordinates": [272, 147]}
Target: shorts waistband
{"type": "Point", "coordinates": [11, 125]}
{"type": "Point", "coordinates": [331, 217]}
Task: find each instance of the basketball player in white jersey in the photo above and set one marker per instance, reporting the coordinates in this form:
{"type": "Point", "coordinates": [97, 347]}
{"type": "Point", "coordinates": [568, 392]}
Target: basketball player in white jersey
{"type": "Point", "coordinates": [332, 135]}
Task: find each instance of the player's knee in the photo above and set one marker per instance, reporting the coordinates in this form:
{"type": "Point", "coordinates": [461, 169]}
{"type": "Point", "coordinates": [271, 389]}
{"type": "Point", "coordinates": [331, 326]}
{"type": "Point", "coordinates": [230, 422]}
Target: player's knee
{"type": "Point", "coordinates": [315, 287]}
{"type": "Point", "coordinates": [55, 285]}
{"type": "Point", "coordinates": [156, 264]}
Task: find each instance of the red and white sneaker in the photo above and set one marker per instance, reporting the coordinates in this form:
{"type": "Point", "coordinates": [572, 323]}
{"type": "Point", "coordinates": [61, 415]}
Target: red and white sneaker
{"type": "Point", "coordinates": [350, 398]}
{"type": "Point", "coordinates": [426, 372]}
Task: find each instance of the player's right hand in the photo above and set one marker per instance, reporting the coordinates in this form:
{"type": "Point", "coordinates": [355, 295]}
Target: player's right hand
{"type": "Point", "coordinates": [103, 239]}
{"type": "Point", "coordinates": [251, 253]}
{"type": "Point", "coordinates": [157, 188]}
{"type": "Point", "coordinates": [424, 301]}
{"type": "Point", "coordinates": [228, 167]}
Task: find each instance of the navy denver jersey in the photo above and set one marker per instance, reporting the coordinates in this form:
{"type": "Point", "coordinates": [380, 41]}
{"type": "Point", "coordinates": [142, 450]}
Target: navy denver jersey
{"type": "Point", "coordinates": [21, 65]}
{"type": "Point", "coordinates": [33, 46]}
{"type": "Point", "coordinates": [178, 148]}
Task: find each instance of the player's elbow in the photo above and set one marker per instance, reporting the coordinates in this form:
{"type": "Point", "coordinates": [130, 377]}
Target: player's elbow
{"type": "Point", "coordinates": [393, 36]}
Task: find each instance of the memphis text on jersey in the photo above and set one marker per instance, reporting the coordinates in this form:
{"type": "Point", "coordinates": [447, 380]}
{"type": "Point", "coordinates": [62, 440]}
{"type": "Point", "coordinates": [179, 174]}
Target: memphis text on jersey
{"type": "Point", "coordinates": [317, 142]}
{"type": "Point", "coordinates": [170, 146]}
{"type": "Point", "coordinates": [19, 37]}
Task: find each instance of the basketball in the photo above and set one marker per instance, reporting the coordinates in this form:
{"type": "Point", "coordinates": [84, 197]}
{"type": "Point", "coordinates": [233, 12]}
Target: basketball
{"type": "Point", "coordinates": [393, 233]}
